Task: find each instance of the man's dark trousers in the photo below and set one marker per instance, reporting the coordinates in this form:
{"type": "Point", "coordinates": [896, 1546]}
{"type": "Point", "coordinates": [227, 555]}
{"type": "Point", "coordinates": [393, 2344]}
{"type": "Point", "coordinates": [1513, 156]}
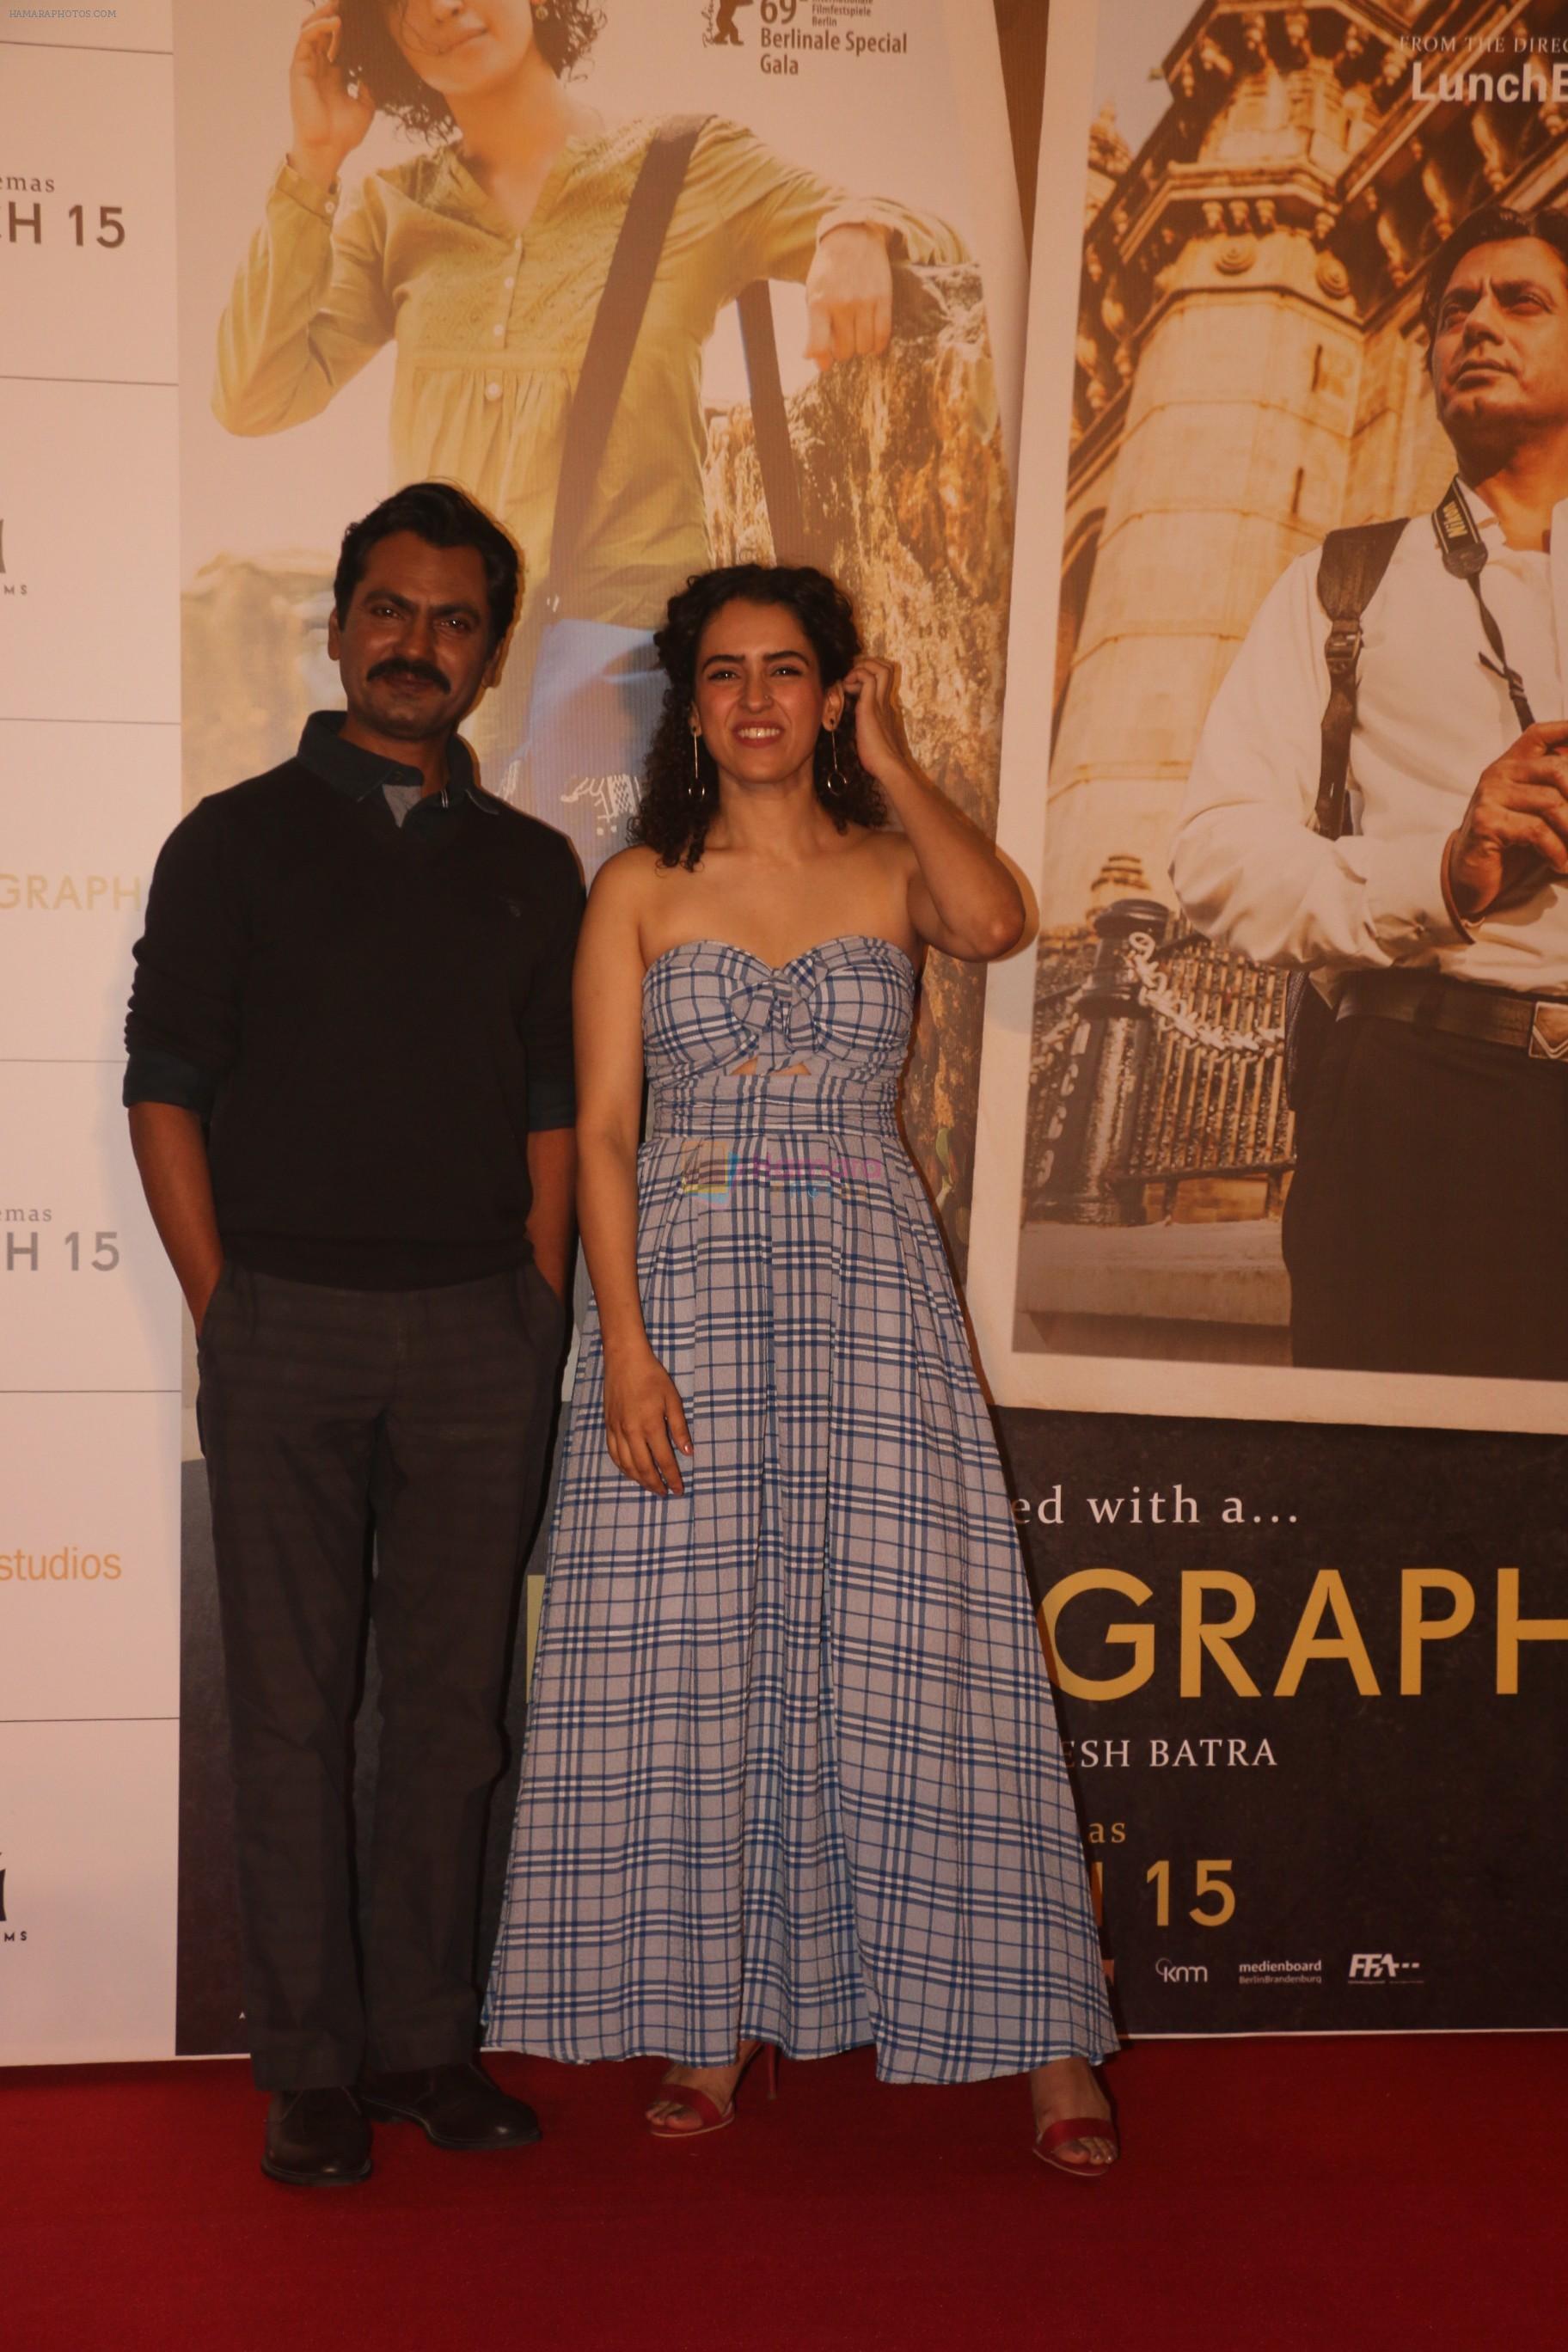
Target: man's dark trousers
{"type": "Point", "coordinates": [1425, 1229]}
{"type": "Point", "coordinates": [427, 1410]}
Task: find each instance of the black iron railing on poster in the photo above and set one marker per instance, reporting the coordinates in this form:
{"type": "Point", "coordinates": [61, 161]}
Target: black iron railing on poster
{"type": "Point", "coordinates": [1158, 1059]}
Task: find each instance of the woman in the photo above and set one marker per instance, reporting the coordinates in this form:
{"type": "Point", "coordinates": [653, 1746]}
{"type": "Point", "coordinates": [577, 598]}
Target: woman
{"type": "Point", "coordinates": [484, 259]}
{"type": "Point", "coordinates": [792, 1775]}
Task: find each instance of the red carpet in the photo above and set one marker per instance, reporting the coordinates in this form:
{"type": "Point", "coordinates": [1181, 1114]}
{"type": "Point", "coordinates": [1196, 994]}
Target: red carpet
{"type": "Point", "coordinates": [1322, 2194]}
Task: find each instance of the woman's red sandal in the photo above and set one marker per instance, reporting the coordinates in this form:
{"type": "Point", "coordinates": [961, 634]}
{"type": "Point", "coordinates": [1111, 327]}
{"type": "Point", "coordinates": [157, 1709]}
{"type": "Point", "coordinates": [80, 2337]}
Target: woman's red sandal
{"type": "Point", "coordinates": [711, 2117]}
{"type": "Point", "coordinates": [1072, 2128]}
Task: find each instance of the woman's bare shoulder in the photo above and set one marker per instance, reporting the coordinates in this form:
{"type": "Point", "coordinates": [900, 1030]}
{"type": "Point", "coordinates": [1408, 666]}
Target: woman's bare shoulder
{"type": "Point", "coordinates": [624, 882]}
{"type": "Point", "coordinates": [886, 849]}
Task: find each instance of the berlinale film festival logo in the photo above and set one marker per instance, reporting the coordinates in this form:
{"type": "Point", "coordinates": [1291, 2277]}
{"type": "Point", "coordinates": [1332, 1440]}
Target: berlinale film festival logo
{"type": "Point", "coordinates": [718, 16]}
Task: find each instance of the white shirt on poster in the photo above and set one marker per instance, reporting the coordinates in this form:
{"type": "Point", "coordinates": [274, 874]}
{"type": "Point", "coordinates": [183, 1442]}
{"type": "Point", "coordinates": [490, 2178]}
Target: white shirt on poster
{"type": "Point", "coordinates": [1430, 716]}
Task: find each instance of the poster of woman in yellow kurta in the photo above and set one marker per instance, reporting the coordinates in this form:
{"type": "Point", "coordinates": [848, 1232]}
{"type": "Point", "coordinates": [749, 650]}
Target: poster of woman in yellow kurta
{"type": "Point", "coordinates": [399, 245]}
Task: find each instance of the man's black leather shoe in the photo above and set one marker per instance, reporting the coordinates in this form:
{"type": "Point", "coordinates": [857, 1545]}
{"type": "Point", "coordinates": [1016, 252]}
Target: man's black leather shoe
{"type": "Point", "coordinates": [316, 2139]}
{"type": "Point", "coordinates": [455, 2107]}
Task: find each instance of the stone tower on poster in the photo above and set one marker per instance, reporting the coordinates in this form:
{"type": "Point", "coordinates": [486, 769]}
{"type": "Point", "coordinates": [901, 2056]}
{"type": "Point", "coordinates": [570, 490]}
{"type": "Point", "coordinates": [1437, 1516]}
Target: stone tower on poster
{"type": "Point", "coordinates": [1250, 372]}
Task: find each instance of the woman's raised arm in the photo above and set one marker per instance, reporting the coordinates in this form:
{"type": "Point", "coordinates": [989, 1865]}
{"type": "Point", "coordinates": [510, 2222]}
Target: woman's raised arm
{"type": "Point", "coordinates": [309, 308]}
{"type": "Point", "coordinates": [330, 117]}
{"type": "Point", "coordinates": [962, 898]}
{"type": "Point", "coordinates": [772, 219]}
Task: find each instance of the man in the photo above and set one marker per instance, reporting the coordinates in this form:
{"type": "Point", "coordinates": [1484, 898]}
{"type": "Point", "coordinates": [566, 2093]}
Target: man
{"type": "Point", "coordinates": [350, 1088]}
{"type": "Point", "coordinates": [1424, 1230]}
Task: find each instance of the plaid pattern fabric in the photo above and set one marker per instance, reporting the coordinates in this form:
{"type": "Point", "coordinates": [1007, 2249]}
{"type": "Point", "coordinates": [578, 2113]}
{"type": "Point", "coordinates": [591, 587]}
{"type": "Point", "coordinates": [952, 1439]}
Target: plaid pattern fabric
{"type": "Point", "coordinates": [792, 1768]}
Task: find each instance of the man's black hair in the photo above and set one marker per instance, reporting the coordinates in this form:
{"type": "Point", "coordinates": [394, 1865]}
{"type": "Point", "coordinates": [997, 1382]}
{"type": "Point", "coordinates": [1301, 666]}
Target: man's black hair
{"type": "Point", "coordinates": [442, 515]}
{"type": "Point", "coordinates": [1487, 225]}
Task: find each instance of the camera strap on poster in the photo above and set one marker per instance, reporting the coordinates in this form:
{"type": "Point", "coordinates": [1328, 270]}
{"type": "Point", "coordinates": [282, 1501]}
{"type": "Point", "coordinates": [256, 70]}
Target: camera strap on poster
{"type": "Point", "coordinates": [594, 687]}
{"type": "Point", "coordinates": [1350, 568]}
{"type": "Point", "coordinates": [770, 423]}
{"type": "Point", "coordinates": [1464, 553]}
{"type": "Point", "coordinates": [1348, 573]}
{"type": "Point", "coordinates": [1352, 565]}
{"type": "Point", "coordinates": [617, 324]}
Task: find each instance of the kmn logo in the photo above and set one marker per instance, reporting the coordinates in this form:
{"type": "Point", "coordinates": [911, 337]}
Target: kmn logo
{"type": "Point", "coordinates": [10, 587]}
{"type": "Point", "coordinates": [1380, 1967]}
{"type": "Point", "coordinates": [1175, 1972]}
{"type": "Point", "coordinates": [12, 1935]}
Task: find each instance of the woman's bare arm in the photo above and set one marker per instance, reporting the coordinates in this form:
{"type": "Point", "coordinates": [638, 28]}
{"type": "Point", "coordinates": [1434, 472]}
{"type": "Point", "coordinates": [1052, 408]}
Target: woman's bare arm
{"type": "Point", "coordinates": [962, 898]}
{"type": "Point", "coordinates": [643, 1417]}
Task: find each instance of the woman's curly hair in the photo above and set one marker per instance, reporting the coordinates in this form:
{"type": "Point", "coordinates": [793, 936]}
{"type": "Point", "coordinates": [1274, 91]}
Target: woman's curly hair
{"type": "Point", "coordinates": [565, 31]}
{"type": "Point", "coordinates": [680, 800]}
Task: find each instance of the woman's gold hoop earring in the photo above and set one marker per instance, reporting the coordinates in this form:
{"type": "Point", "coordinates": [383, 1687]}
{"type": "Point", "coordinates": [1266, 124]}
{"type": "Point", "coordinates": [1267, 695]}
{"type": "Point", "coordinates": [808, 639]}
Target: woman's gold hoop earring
{"type": "Point", "coordinates": [694, 788]}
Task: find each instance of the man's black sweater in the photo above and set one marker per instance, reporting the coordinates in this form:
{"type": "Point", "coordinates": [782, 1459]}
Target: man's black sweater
{"type": "Point", "coordinates": [371, 1018]}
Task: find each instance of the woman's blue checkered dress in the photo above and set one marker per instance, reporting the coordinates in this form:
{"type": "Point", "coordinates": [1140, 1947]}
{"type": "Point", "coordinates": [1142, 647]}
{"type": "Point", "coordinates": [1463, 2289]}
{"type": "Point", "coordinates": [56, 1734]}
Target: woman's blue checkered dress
{"type": "Point", "coordinates": [792, 1768]}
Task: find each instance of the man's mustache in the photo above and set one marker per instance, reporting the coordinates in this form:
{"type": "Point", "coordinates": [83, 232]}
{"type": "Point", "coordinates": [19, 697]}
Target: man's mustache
{"type": "Point", "coordinates": [425, 670]}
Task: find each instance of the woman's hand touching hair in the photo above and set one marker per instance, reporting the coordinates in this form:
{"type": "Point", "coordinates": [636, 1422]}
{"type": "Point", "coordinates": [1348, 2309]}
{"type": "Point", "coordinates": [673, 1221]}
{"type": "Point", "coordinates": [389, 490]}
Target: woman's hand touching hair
{"type": "Point", "coordinates": [331, 117]}
{"type": "Point", "coordinates": [879, 739]}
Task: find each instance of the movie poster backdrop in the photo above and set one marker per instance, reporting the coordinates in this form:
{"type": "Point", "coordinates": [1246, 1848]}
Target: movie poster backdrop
{"type": "Point", "coordinates": [1227, 363]}
{"type": "Point", "coordinates": [90, 784]}
{"type": "Point", "coordinates": [333, 347]}
{"type": "Point", "coordinates": [1310, 1673]}
{"type": "Point", "coordinates": [1311, 1676]}
{"type": "Point", "coordinates": [1311, 1683]}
